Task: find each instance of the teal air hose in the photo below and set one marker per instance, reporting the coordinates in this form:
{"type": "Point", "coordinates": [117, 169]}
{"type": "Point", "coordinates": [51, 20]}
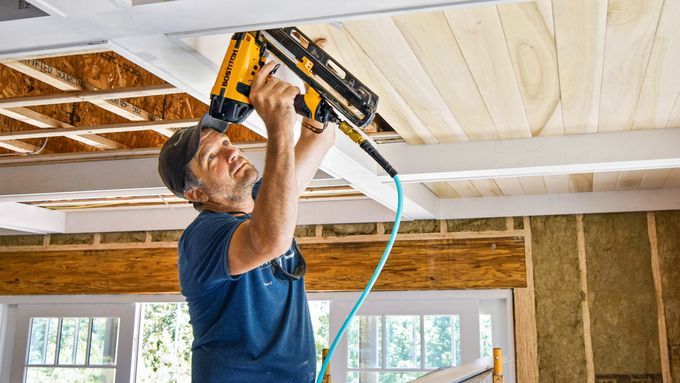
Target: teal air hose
{"type": "Point", "coordinates": [371, 282]}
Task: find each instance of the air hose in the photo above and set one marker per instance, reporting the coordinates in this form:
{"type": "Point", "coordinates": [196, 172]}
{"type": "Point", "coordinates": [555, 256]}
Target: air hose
{"type": "Point", "coordinates": [366, 145]}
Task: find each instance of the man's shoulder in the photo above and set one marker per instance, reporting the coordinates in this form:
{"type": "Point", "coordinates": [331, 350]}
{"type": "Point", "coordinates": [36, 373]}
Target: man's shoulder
{"type": "Point", "coordinates": [207, 221]}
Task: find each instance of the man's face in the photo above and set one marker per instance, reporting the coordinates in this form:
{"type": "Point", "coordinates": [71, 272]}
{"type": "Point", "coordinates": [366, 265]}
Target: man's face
{"type": "Point", "coordinates": [227, 175]}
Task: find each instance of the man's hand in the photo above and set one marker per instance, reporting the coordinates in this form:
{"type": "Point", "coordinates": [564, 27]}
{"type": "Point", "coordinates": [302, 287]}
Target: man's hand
{"type": "Point", "coordinates": [273, 100]}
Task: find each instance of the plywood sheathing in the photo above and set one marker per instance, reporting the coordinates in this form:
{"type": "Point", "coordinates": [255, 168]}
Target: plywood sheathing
{"type": "Point", "coordinates": [621, 295]}
{"type": "Point", "coordinates": [105, 70]}
{"type": "Point", "coordinates": [668, 239]}
{"type": "Point", "coordinates": [559, 321]}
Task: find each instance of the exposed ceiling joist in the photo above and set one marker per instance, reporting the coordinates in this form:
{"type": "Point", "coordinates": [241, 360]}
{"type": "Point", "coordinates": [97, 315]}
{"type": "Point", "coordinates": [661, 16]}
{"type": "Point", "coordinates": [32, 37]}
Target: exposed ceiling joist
{"type": "Point", "coordinates": [88, 96]}
{"type": "Point", "coordinates": [31, 219]}
{"type": "Point", "coordinates": [539, 156]}
{"type": "Point", "coordinates": [90, 130]}
{"type": "Point", "coordinates": [19, 146]}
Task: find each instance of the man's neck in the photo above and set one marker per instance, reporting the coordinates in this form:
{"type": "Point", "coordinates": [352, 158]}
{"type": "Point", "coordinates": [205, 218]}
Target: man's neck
{"type": "Point", "coordinates": [245, 206]}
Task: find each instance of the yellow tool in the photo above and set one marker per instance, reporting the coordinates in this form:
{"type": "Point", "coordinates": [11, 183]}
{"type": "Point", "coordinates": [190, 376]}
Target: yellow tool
{"type": "Point", "coordinates": [334, 95]}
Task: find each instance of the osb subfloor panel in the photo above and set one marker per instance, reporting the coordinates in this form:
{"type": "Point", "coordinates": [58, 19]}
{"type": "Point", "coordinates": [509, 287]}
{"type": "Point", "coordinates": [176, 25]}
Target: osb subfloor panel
{"type": "Point", "coordinates": [105, 70]}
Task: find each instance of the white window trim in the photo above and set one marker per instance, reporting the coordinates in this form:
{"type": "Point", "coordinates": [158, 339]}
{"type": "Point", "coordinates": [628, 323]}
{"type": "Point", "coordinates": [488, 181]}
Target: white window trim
{"type": "Point", "coordinates": [465, 303]}
{"type": "Point", "coordinates": [92, 304]}
{"type": "Point", "coordinates": [124, 311]}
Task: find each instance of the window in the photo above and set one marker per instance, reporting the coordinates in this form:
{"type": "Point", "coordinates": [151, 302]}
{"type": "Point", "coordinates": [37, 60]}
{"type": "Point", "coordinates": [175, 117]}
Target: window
{"type": "Point", "coordinates": [395, 348]}
{"type": "Point", "coordinates": [73, 343]}
{"type": "Point", "coordinates": [399, 336]}
{"type": "Point", "coordinates": [72, 349]}
{"type": "Point", "coordinates": [165, 343]}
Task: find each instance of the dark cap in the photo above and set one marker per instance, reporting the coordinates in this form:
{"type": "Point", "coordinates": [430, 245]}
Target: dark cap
{"type": "Point", "coordinates": [179, 149]}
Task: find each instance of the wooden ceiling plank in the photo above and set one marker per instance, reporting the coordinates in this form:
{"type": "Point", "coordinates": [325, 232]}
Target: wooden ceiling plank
{"type": "Point", "coordinates": [661, 84]}
{"type": "Point", "coordinates": [442, 189]}
{"type": "Point", "coordinates": [532, 50]}
{"type": "Point", "coordinates": [654, 179]}
{"type": "Point", "coordinates": [509, 186]}
{"type": "Point", "coordinates": [479, 33]}
{"type": "Point", "coordinates": [88, 96]}
{"type": "Point", "coordinates": [19, 146]}
{"type": "Point", "coordinates": [392, 107]}
{"type": "Point", "coordinates": [445, 64]}
{"type": "Point", "coordinates": [386, 47]}
{"type": "Point", "coordinates": [465, 189]}
{"type": "Point", "coordinates": [533, 185]}
{"type": "Point", "coordinates": [630, 180]}
{"type": "Point", "coordinates": [581, 183]}
{"type": "Point", "coordinates": [631, 25]}
{"type": "Point", "coordinates": [90, 130]}
{"type": "Point", "coordinates": [580, 27]}
{"type": "Point", "coordinates": [673, 180]}
{"type": "Point", "coordinates": [557, 183]}
{"type": "Point", "coordinates": [487, 187]}
{"type": "Point", "coordinates": [605, 181]}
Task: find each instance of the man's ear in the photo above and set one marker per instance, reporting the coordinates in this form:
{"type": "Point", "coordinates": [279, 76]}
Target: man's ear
{"type": "Point", "coordinates": [196, 195]}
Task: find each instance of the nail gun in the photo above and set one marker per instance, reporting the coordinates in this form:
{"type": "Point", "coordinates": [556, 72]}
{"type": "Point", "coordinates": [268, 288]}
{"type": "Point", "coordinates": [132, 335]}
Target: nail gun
{"type": "Point", "coordinates": [331, 87]}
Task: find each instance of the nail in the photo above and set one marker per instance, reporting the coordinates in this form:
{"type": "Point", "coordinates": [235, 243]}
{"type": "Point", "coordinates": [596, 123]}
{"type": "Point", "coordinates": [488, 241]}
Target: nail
{"type": "Point", "coordinates": [275, 69]}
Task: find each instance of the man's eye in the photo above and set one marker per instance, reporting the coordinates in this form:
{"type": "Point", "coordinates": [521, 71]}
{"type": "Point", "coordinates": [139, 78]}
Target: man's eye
{"type": "Point", "coordinates": [211, 157]}
{"type": "Point", "coordinates": [225, 143]}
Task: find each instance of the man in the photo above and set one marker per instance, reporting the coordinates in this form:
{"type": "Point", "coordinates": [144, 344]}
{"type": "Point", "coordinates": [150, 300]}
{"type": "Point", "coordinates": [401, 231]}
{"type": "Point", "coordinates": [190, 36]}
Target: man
{"type": "Point", "coordinates": [239, 268]}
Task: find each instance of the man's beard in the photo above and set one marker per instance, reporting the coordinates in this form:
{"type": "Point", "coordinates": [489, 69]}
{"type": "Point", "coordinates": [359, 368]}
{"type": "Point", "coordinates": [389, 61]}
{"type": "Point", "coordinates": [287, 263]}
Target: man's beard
{"type": "Point", "coordinates": [235, 193]}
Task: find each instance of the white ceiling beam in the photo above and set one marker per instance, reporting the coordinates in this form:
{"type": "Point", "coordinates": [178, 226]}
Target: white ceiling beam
{"type": "Point", "coordinates": [83, 23]}
{"type": "Point", "coordinates": [540, 156]}
{"type": "Point", "coordinates": [179, 217]}
{"type": "Point", "coordinates": [31, 219]}
{"type": "Point", "coordinates": [108, 178]}
{"type": "Point", "coordinates": [345, 211]}
{"type": "Point", "coordinates": [559, 204]}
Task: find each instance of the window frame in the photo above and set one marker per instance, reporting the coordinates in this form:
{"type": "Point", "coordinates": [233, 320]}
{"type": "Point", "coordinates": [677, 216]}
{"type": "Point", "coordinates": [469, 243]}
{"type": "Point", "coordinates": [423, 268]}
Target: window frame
{"type": "Point", "coordinates": [469, 304]}
{"type": "Point", "coordinates": [125, 312]}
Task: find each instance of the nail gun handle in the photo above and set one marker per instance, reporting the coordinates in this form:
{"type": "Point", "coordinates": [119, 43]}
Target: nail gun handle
{"type": "Point", "coordinates": [312, 106]}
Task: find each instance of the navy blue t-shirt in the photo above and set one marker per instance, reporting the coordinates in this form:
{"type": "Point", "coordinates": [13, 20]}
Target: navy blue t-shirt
{"type": "Point", "coordinates": [252, 327]}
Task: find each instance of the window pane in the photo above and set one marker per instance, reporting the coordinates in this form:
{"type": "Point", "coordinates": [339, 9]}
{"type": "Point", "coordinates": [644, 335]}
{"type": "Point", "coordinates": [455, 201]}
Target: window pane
{"type": "Point", "coordinates": [485, 335]}
{"type": "Point", "coordinates": [165, 344]}
{"type": "Point", "coordinates": [456, 340]}
{"type": "Point", "coordinates": [67, 342]}
{"type": "Point", "coordinates": [104, 341]}
{"type": "Point", "coordinates": [438, 330]}
{"type": "Point", "coordinates": [318, 311]}
{"type": "Point", "coordinates": [52, 374]}
{"type": "Point", "coordinates": [364, 342]}
{"type": "Point", "coordinates": [82, 331]}
{"type": "Point", "coordinates": [353, 377]}
{"type": "Point", "coordinates": [403, 341]}
{"type": "Point", "coordinates": [43, 341]}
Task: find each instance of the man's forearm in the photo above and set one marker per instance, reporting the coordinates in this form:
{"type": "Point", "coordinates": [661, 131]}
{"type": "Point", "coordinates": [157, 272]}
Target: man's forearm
{"type": "Point", "coordinates": [310, 150]}
{"type": "Point", "coordinates": [275, 213]}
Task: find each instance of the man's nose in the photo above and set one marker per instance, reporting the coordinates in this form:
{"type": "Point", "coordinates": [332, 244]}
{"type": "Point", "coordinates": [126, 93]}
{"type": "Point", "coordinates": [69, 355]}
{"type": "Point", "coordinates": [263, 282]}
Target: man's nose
{"type": "Point", "coordinates": [231, 153]}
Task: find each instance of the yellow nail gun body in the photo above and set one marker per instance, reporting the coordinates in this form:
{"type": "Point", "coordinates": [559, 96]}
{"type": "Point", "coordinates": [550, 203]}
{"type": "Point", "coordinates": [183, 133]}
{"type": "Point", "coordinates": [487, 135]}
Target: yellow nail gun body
{"type": "Point", "coordinates": [331, 86]}
{"type": "Point", "coordinates": [334, 95]}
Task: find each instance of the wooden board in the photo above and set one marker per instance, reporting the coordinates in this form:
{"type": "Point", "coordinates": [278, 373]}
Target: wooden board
{"type": "Point", "coordinates": [479, 33]}
{"type": "Point", "coordinates": [392, 55]}
{"type": "Point", "coordinates": [605, 181]}
{"type": "Point", "coordinates": [532, 49]}
{"type": "Point", "coordinates": [661, 84]}
{"type": "Point", "coordinates": [579, 35]}
{"type": "Point", "coordinates": [631, 25]}
{"type": "Point", "coordinates": [446, 66]}
{"type": "Point", "coordinates": [392, 106]}
{"type": "Point", "coordinates": [413, 265]}
{"type": "Point", "coordinates": [654, 179]}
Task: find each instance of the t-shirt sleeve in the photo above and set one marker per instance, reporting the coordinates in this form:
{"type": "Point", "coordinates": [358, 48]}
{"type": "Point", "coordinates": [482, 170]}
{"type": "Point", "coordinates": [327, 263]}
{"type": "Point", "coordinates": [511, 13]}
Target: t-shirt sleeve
{"type": "Point", "coordinates": [203, 262]}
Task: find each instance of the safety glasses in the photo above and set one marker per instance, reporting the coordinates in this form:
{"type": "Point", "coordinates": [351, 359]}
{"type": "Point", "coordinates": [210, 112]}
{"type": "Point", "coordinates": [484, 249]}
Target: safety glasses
{"type": "Point", "coordinates": [300, 270]}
